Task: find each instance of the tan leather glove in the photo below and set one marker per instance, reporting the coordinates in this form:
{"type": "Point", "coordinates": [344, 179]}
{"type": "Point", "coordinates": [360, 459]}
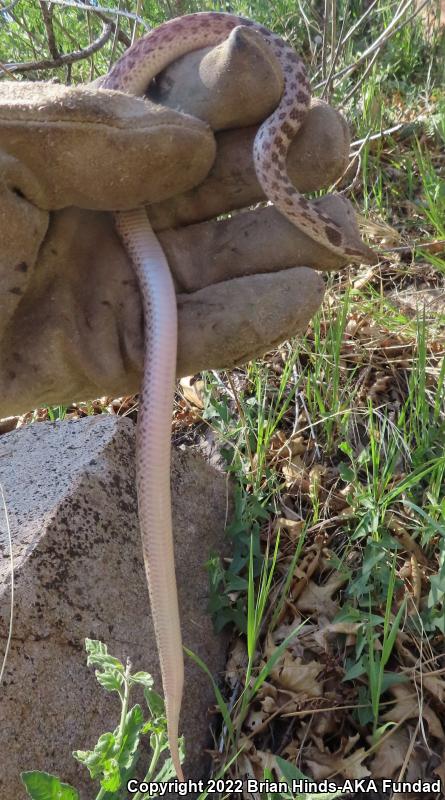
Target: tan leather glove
{"type": "Point", "coordinates": [70, 312]}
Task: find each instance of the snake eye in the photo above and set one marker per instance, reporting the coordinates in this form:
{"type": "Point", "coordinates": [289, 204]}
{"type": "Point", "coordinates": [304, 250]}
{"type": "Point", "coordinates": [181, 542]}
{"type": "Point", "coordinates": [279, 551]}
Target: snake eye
{"type": "Point", "coordinates": [18, 192]}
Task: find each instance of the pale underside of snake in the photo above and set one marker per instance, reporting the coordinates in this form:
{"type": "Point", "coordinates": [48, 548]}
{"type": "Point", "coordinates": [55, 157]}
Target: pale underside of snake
{"type": "Point", "coordinates": [133, 73]}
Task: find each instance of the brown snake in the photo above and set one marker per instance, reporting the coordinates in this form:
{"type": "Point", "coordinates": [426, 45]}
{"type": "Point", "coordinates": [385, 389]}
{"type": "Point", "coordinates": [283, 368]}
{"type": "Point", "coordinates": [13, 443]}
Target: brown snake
{"type": "Point", "coordinates": [133, 73]}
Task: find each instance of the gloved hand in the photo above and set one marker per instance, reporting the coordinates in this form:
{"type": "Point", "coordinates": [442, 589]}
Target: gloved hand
{"type": "Point", "coordinates": [70, 311]}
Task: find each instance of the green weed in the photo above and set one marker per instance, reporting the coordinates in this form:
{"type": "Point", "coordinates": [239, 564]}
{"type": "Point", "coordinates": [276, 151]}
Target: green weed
{"type": "Point", "coordinates": [113, 760]}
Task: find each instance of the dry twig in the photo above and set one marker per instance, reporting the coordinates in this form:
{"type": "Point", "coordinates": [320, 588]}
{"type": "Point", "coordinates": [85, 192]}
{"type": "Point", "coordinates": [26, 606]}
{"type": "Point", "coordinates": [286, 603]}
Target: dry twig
{"type": "Point", "coordinates": [63, 59]}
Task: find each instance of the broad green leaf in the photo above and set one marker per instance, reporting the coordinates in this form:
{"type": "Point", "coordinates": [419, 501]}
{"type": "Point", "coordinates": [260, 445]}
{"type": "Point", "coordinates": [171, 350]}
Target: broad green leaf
{"type": "Point", "coordinates": [95, 760]}
{"type": "Point", "coordinates": [346, 473]}
{"type": "Point", "coordinates": [236, 583]}
{"type": "Point", "coordinates": [130, 740]}
{"type": "Point", "coordinates": [364, 706]}
{"type": "Point", "coordinates": [390, 679]}
{"type": "Point", "coordinates": [43, 786]}
{"type": "Point", "coordinates": [111, 780]}
{"type": "Point", "coordinates": [345, 447]}
{"type": "Point", "coordinates": [155, 703]}
{"type": "Point", "coordinates": [269, 776]}
{"type": "Point", "coordinates": [289, 771]}
{"type": "Point", "coordinates": [99, 656]}
{"type": "Point", "coordinates": [355, 671]}
{"type": "Point", "coordinates": [437, 590]}
{"type": "Point", "coordinates": [143, 678]}
{"type": "Point", "coordinates": [112, 675]}
{"type": "Point", "coordinates": [111, 680]}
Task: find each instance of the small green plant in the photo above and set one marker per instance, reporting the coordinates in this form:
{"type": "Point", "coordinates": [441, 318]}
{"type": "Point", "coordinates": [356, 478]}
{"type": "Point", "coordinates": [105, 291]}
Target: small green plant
{"type": "Point", "coordinates": [113, 760]}
{"type": "Point", "coordinates": [374, 645]}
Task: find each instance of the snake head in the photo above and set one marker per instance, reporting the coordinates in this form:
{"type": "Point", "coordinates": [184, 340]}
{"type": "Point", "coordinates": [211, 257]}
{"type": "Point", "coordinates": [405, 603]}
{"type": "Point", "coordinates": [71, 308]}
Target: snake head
{"type": "Point", "coordinates": [342, 212]}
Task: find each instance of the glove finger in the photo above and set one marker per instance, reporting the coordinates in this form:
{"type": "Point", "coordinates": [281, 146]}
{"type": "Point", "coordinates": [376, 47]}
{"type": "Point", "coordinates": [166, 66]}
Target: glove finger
{"type": "Point", "coordinates": [253, 242]}
{"type": "Point", "coordinates": [23, 226]}
{"type": "Point", "coordinates": [317, 157]}
{"type": "Point", "coordinates": [240, 319]}
{"type": "Point", "coordinates": [100, 149]}
{"type": "Point", "coordinates": [202, 82]}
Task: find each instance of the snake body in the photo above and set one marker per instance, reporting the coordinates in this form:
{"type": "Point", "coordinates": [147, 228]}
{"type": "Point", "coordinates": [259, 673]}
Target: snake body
{"type": "Point", "coordinates": [133, 73]}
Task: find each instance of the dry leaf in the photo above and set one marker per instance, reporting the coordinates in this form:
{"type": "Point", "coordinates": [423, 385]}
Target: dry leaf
{"type": "Point", "coordinates": [329, 633]}
{"type": "Point", "coordinates": [418, 766]}
{"type": "Point", "coordinates": [281, 633]}
{"type": "Point", "coordinates": [246, 771]}
{"type": "Point", "coordinates": [363, 278]}
{"type": "Point", "coordinates": [193, 391]}
{"type": "Point", "coordinates": [276, 700]}
{"type": "Point", "coordinates": [265, 761]}
{"type": "Point", "coordinates": [391, 755]}
{"type": "Point", "coordinates": [316, 599]}
{"type": "Point", "coordinates": [255, 721]}
{"type": "Point", "coordinates": [407, 707]}
{"type": "Point", "coordinates": [293, 470]}
{"type": "Point", "coordinates": [324, 724]}
{"type": "Point", "coordinates": [288, 509]}
{"type": "Point", "coordinates": [292, 674]}
{"type": "Point", "coordinates": [293, 445]}
{"type": "Point", "coordinates": [267, 690]}
{"type": "Point", "coordinates": [293, 527]}
{"type": "Point", "coordinates": [434, 685]}
{"type": "Point", "coordinates": [440, 772]}
{"type": "Point", "coordinates": [269, 705]}
{"type": "Point", "coordinates": [236, 663]}
{"type": "Point", "coordinates": [323, 765]}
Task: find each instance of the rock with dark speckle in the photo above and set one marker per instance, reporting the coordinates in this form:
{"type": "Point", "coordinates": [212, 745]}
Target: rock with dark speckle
{"type": "Point", "coordinates": [70, 492]}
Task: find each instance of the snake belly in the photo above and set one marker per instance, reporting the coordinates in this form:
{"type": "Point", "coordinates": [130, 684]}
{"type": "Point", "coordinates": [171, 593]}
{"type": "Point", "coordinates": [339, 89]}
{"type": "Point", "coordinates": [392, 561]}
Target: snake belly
{"type": "Point", "coordinates": [132, 73]}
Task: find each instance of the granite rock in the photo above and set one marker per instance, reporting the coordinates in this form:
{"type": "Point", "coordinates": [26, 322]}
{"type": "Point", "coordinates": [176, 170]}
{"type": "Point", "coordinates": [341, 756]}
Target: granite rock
{"type": "Point", "coordinates": [70, 493]}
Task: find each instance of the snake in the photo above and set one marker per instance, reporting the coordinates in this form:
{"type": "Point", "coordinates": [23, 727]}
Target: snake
{"type": "Point", "coordinates": [132, 74]}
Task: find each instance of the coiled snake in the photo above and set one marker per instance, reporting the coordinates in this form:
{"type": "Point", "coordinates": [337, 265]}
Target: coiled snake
{"type": "Point", "coordinates": [133, 73]}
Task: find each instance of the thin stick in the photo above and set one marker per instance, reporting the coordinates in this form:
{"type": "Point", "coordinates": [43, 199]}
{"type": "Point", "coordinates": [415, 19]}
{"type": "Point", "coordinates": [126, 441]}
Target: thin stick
{"type": "Point", "coordinates": [103, 10]}
{"type": "Point", "coordinates": [334, 59]}
{"type": "Point", "coordinates": [11, 612]}
{"type": "Point", "coordinates": [324, 55]}
{"type": "Point", "coordinates": [356, 86]}
{"type": "Point", "coordinates": [90, 36]}
{"type": "Point", "coordinates": [8, 72]}
{"type": "Point", "coordinates": [333, 30]}
{"type": "Point", "coordinates": [121, 35]}
{"type": "Point", "coordinates": [388, 131]}
{"type": "Point", "coordinates": [47, 14]}
{"type": "Point", "coordinates": [382, 39]}
{"type": "Point", "coordinates": [135, 26]}
{"type": "Point", "coordinates": [359, 22]}
{"type": "Point", "coordinates": [62, 60]}
{"type": "Point", "coordinates": [115, 39]}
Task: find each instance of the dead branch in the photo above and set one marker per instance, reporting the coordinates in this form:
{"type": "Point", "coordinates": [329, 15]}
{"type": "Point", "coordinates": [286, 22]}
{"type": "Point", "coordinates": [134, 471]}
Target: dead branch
{"type": "Point", "coordinates": [47, 14]}
{"type": "Point", "coordinates": [63, 60]}
{"type": "Point", "coordinates": [121, 35]}
{"type": "Point", "coordinates": [381, 40]}
{"type": "Point", "coordinates": [117, 12]}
